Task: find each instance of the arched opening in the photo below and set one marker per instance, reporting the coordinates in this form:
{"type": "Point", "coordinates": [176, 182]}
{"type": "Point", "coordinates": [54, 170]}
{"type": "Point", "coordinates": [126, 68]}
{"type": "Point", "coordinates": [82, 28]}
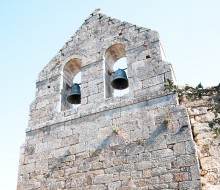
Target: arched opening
{"type": "Point", "coordinates": [71, 75]}
{"type": "Point", "coordinates": [115, 58]}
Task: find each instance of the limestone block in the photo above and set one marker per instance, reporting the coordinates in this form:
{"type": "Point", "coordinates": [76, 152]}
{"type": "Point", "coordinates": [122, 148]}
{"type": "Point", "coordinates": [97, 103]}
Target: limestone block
{"type": "Point", "coordinates": [114, 185]}
{"type": "Point", "coordinates": [41, 165]}
{"type": "Point", "coordinates": [135, 150]}
{"type": "Point", "coordinates": [155, 144]}
{"type": "Point", "coordinates": [199, 128]}
{"type": "Point", "coordinates": [144, 165]}
{"type": "Point", "coordinates": [105, 178]}
{"type": "Point", "coordinates": [166, 178]}
{"type": "Point", "coordinates": [160, 69]}
{"type": "Point", "coordinates": [41, 147]}
{"type": "Point", "coordinates": [190, 185]}
{"type": "Point", "coordinates": [205, 118]}
{"type": "Point", "coordinates": [211, 187]}
{"type": "Point", "coordinates": [162, 153]}
{"type": "Point", "coordinates": [28, 168]}
{"type": "Point", "coordinates": [70, 140]}
{"type": "Point", "coordinates": [214, 151]}
{"type": "Point", "coordinates": [183, 121]}
{"type": "Point", "coordinates": [181, 135]}
{"type": "Point", "coordinates": [124, 175]}
{"type": "Point", "coordinates": [190, 147]}
{"type": "Point", "coordinates": [154, 180]}
{"type": "Point", "coordinates": [128, 167]}
{"type": "Point", "coordinates": [181, 176]}
{"type": "Point", "coordinates": [95, 187]}
{"type": "Point", "coordinates": [179, 148]}
{"type": "Point", "coordinates": [173, 185]}
{"type": "Point", "coordinates": [209, 163]}
{"type": "Point", "coordinates": [153, 81]}
{"type": "Point", "coordinates": [186, 160]}
{"type": "Point", "coordinates": [158, 171]}
{"type": "Point", "coordinates": [78, 180]}
{"type": "Point", "coordinates": [194, 171]}
{"type": "Point", "coordinates": [64, 133]}
{"type": "Point", "coordinates": [168, 75]}
{"type": "Point", "coordinates": [144, 157]}
{"type": "Point", "coordinates": [197, 111]}
{"type": "Point", "coordinates": [134, 84]}
{"type": "Point", "coordinates": [147, 173]}
{"type": "Point", "coordinates": [78, 148]}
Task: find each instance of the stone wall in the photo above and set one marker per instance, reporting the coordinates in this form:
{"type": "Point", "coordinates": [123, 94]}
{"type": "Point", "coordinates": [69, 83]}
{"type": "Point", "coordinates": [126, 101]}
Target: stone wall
{"type": "Point", "coordinates": [142, 140]}
{"type": "Point", "coordinates": [207, 143]}
{"type": "Point", "coordinates": [85, 153]}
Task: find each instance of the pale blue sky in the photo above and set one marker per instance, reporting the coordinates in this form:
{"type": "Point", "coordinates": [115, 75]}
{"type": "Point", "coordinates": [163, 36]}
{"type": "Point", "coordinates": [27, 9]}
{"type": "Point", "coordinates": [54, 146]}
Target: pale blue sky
{"type": "Point", "coordinates": [32, 32]}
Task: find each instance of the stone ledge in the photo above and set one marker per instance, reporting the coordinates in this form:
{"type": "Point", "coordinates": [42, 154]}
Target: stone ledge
{"type": "Point", "coordinates": [74, 114]}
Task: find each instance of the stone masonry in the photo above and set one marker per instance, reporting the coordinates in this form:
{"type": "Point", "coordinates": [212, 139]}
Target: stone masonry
{"type": "Point", "coordinates": [207, 143]}
{"type": "Point", "coordinates": [141, 140]}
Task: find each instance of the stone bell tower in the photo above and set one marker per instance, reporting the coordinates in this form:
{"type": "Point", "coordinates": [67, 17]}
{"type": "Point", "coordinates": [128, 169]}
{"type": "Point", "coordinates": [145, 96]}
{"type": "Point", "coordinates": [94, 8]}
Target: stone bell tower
{"type": "Point", "coordinates": [140, 140]}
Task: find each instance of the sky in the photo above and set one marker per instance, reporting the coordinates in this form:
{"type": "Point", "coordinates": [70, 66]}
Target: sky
{"type": "Point", "coordinates": [32, 32]}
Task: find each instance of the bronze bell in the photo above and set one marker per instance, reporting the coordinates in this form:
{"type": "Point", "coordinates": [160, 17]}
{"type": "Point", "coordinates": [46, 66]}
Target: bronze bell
{"type": "Point", "coordinates": [75, 95]}
{"type": "Point", "coordinates": [120, 80]}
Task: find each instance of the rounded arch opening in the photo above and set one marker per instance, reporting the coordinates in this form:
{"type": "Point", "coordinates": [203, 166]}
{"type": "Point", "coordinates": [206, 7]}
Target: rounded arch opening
{"type": "Point", "coordinates": [71, 75]}
{"type": "Point", "coordinates": [71, 69]}
{"type": "Point", "coordinates": [115, 58]}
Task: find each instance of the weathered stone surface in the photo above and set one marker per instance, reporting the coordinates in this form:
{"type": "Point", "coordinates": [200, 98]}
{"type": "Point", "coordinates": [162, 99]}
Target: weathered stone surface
{"type": "Point", "coordinates": [207, 144]}
{"type": "Point", "coordinates": [108, 141]}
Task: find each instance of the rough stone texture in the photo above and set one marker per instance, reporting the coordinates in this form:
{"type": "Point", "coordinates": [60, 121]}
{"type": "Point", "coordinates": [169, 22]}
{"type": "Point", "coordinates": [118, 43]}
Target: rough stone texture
{"type": "Point", "coordinates": [207, 143]}
{"type": "Point", "coordinates": [77, 148]}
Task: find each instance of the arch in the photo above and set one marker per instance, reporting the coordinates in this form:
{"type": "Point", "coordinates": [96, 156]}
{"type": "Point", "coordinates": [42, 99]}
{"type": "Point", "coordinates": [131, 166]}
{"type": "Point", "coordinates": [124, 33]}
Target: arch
{"type": "Point", "coordinates": [70, 70]}
{"type": "Point", "coordinates": [113, 55]}
{"type": "Point", "coordinates": [78, 56]}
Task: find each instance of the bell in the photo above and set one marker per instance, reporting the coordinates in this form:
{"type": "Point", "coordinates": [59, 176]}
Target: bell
{"type": "Point", "coordinates": [75, 95]}
{"type": "Point", "coordinates": [120, 80]}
